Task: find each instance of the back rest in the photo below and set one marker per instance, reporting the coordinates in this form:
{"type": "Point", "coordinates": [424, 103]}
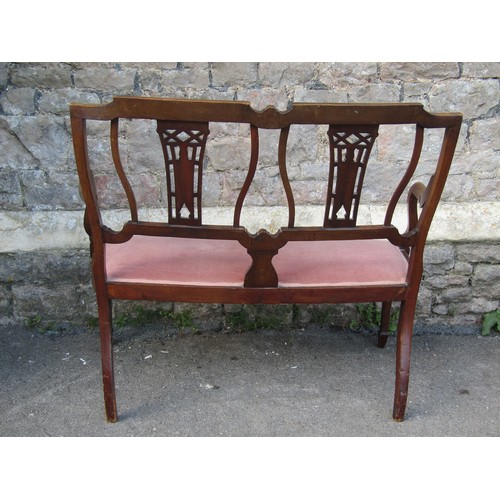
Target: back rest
{"type": "Point", "coordinates": [183, 127]}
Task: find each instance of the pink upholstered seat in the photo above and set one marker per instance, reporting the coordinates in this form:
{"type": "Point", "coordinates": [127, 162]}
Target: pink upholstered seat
{"type": "Point", "coordinates": [340, 263]}
{"type": "Point", "coordinates": [180, 261]}
{"type": "Point", "coordinates": [177, 261]}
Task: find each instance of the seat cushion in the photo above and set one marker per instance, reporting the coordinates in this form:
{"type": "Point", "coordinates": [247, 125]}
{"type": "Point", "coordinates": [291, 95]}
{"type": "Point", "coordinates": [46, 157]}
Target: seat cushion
{"type": "Point", "coordinates": [340, 263]}
{"type": "Point", "coordinates": [185, 261]}
{"type": "Point", "coordinates": [177, 261]}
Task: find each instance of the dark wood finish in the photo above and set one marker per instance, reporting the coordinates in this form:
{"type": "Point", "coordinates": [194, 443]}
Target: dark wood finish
{"type": "Point", "coordinates": [284, 175]}
{"type": "Point", "coordinates": [254, 156]}
{"type": "Point", "coordinates": [258, 295]}
{"type": "Point", "coordinates": [262, 248]}
{"type": "Point", "coordinates": [383, 333]}
{"type": "Point", "coordinates": [241, 112]}
{"type": "Point", "coordinates": [115, 151]}
{"type": "Point", "coordinates": [350, 149]}
{"type": "Point", "coordinates": [417, 149]}
{"type": "Point", "coordinates": [183, 127]}
{"type": "Point", "coordinates": [183, 146]}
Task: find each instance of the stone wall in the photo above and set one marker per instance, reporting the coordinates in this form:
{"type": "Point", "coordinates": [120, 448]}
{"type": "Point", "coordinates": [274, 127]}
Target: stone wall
{"type": "Point", "coordinates": [43, 249]}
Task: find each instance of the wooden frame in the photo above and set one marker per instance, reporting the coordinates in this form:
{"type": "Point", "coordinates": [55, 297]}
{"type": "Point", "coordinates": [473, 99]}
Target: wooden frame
{"type": "Point", "coordinates": [183, 126]}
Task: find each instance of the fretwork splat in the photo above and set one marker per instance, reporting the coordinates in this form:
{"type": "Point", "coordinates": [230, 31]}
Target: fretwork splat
{"type": "Point", "coordinates": [183, 145]}
{"type": "Point", "coordinates": [349, 152]}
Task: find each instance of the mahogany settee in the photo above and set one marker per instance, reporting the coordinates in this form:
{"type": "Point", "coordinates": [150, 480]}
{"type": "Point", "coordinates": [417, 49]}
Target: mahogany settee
{"type": "Point", "coordinates": [181, 259]}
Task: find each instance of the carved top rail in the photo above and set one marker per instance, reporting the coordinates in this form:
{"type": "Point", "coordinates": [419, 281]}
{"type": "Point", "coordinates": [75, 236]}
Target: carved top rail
{"type": "Point", "coordinates": [242, 112]}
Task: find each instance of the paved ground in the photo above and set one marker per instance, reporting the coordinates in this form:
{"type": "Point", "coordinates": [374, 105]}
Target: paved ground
{"type": "Point", "coordinates": [316, 382]}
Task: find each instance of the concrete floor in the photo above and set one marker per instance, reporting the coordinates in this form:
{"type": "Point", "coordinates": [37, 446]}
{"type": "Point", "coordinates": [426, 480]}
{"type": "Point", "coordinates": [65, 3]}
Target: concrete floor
{"type": "Point", "coordinates": [312, 382]}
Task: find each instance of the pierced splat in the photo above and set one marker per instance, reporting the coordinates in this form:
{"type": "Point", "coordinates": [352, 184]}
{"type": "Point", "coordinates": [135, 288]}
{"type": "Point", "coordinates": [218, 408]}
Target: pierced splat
{"type": "Point", "coordinates": [350, 149]}
{"type": "Point", "coordinates": [183, 145]}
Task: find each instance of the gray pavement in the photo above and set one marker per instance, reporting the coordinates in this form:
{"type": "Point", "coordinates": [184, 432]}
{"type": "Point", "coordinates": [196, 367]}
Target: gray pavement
{"type": "Point", "coordinates": [312, 382]}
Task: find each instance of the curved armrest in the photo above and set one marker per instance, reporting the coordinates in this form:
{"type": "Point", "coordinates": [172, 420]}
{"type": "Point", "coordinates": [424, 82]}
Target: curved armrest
{"type": "Point", "coordinates": [417, 194]}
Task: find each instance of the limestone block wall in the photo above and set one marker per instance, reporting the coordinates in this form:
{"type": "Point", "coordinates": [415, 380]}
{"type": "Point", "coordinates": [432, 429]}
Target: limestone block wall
{"type": "Point", "coordinates": [43, 248]}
